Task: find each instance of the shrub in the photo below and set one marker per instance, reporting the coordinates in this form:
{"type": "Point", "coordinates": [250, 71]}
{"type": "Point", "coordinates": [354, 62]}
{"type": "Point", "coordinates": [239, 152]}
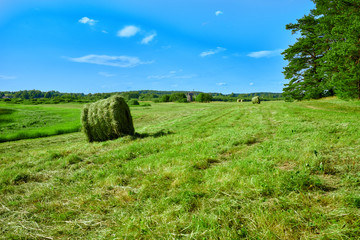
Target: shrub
{"type": "Point", "coordinates": [255, 100]}
{"type": "Point", "coordinates": [107, 119]}
{"type": "Point", "coordinates": [178, 97]}
{"type": "Point", "coordinates": [165, 98]}
{"type": "Point", "coordinates": [204, 97]}
{"type": "Point", "coordinates": [133, 102]}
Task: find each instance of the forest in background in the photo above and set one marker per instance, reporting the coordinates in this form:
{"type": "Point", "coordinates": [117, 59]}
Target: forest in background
{"type": "Point", "coordinates": [54, 97]}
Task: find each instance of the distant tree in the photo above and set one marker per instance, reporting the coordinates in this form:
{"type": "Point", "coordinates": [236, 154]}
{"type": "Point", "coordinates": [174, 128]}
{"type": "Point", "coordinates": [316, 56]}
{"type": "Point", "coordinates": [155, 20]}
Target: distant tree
{"type": "Point", "coordinates": [204, 97]}
{"type": "Point", "coordinates": [165, 98]}
{"type": "Point", "coordinates": [25, 95]}
{"type": "Point", "coordinates": [47, 95]}
{"type": "Point", "coordinates": [177, 97]}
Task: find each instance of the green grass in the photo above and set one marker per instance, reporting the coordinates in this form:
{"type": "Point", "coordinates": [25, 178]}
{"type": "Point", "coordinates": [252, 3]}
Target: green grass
{"type": "Point", "coordinates": [194, 171]}
{"type": "Point", "coordinates": [24, 121]}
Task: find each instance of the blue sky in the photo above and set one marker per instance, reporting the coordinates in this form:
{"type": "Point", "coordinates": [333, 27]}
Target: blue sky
{"type": "Point", "coordinates": [122, 45]}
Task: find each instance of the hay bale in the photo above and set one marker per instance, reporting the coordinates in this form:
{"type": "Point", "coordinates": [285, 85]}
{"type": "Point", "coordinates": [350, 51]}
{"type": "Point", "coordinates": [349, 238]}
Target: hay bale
{"type": "Point", "coordinates": [255, 100]}
{"type": "Point", "coordinates": [107, 119]}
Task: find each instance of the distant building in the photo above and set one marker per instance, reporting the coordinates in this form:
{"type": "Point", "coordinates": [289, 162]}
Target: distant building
{"type": "Point", "coordinates": [190, 97]}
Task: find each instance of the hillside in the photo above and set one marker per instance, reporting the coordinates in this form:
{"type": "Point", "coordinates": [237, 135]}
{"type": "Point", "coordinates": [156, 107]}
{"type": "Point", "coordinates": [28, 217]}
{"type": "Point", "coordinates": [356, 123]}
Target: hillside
{"type": "Point", "coordinates": [196, 171]}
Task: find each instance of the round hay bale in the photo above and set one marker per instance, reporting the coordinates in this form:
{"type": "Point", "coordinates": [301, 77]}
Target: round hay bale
{"type": "Point", "coordinates": [255, 100]}
{"type": "Point", "coordinates": [107, 119]}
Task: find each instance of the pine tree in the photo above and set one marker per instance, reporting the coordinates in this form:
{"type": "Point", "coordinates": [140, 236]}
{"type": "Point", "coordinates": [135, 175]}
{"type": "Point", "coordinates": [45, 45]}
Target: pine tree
{"type": "Point", "coordinates": [306, 80]}
{"type": "Point", "coordinates": [326, 56]}
{"type": "Point", "coordinates": [341, 24]}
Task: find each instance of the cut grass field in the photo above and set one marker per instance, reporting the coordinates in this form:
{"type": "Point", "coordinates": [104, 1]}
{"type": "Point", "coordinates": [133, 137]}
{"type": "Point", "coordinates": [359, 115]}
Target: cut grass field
{"type": "Point", "coordinates": [194, 171]}
{"type": "Point", "coordinates": [25, 121]}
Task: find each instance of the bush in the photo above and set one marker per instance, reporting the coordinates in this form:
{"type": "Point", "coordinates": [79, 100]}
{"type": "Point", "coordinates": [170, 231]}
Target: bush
{"type": "Point", "coordinates": [165, 98]}
{"type": "Point", "coordinates": [204, 97]}
{"type": "Point", "coordinates": [107, 119]}
{"type": "Point", "coordinates": [178, 97]}
{"type": "Point", "coordinates": [133, 102]}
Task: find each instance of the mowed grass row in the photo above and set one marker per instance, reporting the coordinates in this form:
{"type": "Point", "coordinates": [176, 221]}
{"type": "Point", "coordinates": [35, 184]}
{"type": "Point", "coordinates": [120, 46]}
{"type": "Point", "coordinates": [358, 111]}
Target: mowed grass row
{"type": "Point", "coordinates": [24, 121]}
{"type": "Point", "coordinates": [196, 171]}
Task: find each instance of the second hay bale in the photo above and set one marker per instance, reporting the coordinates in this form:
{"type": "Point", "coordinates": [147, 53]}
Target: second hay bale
{"type": "Point", "coordinates": [107, 119]}
{"type": "Point", "coordinates": [255, 100]}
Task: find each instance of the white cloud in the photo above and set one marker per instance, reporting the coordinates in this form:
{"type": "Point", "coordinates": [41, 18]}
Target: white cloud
{"type": "Point", "coordinates": [251, 83]}
{"type": "Point", "coordinates": [86, 20]}
{"type": "Point", "coordinates": [217, 13]}
{"type": "Point", "coordinates": [221, 84]}
{"type": "Point", "coordinates": [115, 61]}
{"type": "Point", "coordinates": [185, 76]}
{"type": "Point", "coordinates": [148, 39]}
{"type": "Point", "coordinates": [104, 31]}
{"type": "Point", "coordinates": [159, 76]}
{"type": "Point", "coordinates": [7, 77]}
{"type": "Point", "coordinates": [105, 74]}
{"type": "Point", "coordinates": [212, 51]}
{"type": "Point", "coordinates": [128, 31]}
{"type": "Point", "coordinates": [262, 54]}
{"type": "Point", "coordinates": [172, 75]}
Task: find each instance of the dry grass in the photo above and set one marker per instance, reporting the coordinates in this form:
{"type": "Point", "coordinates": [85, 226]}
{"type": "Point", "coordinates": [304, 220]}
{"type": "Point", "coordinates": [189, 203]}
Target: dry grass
{"type": "Point", "coordinates": [107, 119]}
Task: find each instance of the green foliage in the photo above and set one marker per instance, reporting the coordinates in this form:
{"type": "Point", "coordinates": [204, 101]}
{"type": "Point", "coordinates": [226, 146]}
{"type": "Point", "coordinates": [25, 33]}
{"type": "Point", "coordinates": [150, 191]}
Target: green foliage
{"type": "Point", "coordinates": [340, 23]}
{"type": "Point", "coordinates": [265, 96]}
{"type": "Point", "coordinates": [204, 97]}
{"type": "Point", "coordinates": [177, 97]}
{"type": "Point", "coordinates": [165, 98]}
{"type": "Point", "coordinates": [305, 57]}
{"type": "Point", "coordinates": [53, 97]}
{"type": "Point", "coordinates": [133, 102]}
{"type": "Point", "coordinates": [325, 59]}
{"type": "Point", "coordinates": [107, 119]}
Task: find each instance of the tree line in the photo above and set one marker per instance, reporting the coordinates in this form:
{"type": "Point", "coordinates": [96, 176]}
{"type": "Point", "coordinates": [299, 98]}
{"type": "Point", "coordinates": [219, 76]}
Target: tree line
{"type": "Point", "coordinates": [54, 97]}
{"type": "Point", "coordinates": [325, 60]}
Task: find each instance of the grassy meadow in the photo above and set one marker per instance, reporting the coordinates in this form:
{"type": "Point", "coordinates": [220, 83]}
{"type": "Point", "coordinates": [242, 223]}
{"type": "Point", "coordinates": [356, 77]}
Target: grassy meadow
{"type": "Point", "coordinates": [194, 171]}
{"type": "Point", "coordinates": [26, 121]}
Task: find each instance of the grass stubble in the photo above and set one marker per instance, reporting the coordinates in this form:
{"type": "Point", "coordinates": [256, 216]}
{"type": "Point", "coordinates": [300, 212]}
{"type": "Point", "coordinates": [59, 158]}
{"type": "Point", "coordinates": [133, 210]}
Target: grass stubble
{"type": "Point", "coordinates": [199, 171]}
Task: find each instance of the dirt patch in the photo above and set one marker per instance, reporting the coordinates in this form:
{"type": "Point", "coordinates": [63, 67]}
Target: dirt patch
{"type": "Point", "coordinates": [287, 166]}
{"type": "Point", "coordinates": [312, 107]}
